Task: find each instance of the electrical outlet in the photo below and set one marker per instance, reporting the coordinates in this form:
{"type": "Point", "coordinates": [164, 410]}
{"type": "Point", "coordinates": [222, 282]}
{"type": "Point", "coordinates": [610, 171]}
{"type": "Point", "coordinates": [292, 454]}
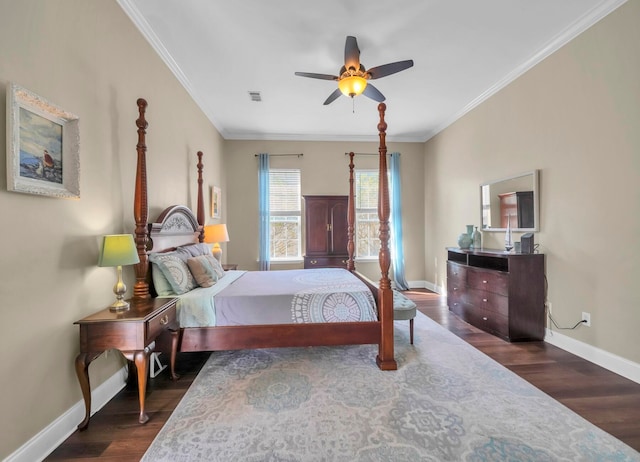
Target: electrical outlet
{"type": "Point", "coordinates": [586, 318]}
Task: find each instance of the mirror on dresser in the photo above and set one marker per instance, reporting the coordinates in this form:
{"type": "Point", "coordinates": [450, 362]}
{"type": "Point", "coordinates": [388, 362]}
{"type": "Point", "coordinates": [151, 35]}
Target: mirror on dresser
{"type": "Point", "coordinates": [515, 199]}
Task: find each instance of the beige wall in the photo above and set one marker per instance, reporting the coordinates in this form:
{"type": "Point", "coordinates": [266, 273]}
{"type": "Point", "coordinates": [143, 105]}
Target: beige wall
{"type": "Point", "coordinates": [576, 117]}
{"type": "Point", "coordinates": [87, 57]}
{"type": "Point", "coordinates": [324, 170]}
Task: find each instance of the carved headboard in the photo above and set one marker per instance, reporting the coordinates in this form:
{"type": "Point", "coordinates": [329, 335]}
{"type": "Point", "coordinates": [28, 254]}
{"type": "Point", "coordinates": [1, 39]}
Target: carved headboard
{"type": "Point", "coordinates": [175, 226]}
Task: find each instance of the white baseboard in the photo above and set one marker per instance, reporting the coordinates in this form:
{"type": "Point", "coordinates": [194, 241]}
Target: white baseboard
{"type": "Point", "coordinates": [43, 444]}
{"type": "Point", "coordinates": [426, 285]}
{"type": "Point", "coordinates": [602, 358]}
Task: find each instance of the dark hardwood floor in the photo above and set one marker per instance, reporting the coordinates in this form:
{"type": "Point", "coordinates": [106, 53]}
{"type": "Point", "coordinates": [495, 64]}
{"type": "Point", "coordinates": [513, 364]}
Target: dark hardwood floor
{"type": "Point", "coordinates": [606, 399]}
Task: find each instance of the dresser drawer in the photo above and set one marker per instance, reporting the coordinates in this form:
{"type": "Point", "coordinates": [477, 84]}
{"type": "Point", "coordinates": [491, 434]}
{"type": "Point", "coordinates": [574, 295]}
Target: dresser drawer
{"type": "Point", "coordinates": [484, 319]}
{"type": "Point", "coordinates": [162, 321]}
{"type": "Point", "coordinates": [456, 273]}
{"type": "Point", "coordinates": [489, 301]}
{"type": "Point", "coordinates": [489, 280]}
{"type": "Point", "coordinates": [454, 297]}
{"type": "Point", "coordinates": [325, 262]}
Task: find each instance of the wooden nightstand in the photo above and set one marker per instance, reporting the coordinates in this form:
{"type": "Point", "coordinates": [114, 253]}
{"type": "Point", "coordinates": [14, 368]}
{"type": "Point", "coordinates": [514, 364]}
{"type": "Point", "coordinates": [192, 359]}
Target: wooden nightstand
{"type": "Point", "coordinates": [230, 266]}
{"type": "Point", "coordinates": [134, 333]}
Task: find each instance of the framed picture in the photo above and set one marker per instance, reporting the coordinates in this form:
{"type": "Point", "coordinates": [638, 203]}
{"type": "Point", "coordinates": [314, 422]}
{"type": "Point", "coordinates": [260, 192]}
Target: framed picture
{"type": "Point", "coordinates": [43, 146]}
{"type": "Point", "coordinates": [216, 195]}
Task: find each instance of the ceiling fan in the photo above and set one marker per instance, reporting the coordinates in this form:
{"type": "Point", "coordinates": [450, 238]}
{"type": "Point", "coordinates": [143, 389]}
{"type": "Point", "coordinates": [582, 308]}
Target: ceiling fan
{"type": "Point", "coordinates": [353, 78]}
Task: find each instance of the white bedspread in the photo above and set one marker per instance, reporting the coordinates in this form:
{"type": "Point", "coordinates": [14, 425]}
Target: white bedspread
{"type": "Point", "coordinates": [278, 297]}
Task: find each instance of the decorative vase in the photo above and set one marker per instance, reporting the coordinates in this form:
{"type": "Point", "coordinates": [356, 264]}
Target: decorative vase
{"type": "Point", "coordinates": [465, 239]}
{"type": "Point", "coordinates": [476, 237]}
{"type": "Point", "coordinates": [508, 240]}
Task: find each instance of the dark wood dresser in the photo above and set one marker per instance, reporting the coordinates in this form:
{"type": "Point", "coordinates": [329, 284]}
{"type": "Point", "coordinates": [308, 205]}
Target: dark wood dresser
{"type": "Point", "coordinates": [325, 231]}
{"type": "Point", "coordinates": [500, 292]}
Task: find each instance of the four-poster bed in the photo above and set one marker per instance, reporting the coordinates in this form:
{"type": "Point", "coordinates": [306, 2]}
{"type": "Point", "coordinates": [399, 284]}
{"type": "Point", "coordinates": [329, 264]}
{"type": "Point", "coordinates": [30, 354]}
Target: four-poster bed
{"type": "Point", "coordinates": [177, 226]}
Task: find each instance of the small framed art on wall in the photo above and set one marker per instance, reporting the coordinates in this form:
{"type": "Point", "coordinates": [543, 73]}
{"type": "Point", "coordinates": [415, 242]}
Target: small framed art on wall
{"type": "Point", "coordinates": [216, 195]}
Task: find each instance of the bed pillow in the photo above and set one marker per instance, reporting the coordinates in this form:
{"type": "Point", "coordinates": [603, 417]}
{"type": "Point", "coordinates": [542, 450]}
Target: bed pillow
{"type": "Point", "coordinates": [160, 283]}
{"type": "Point", "coordinates": [192, 250]}
{"type": "Point", "coordinates": [201, 249]}
{"type": "Point", "coordinates": [175, 270]}
{"type": "Point", "coordinates": [217, 266]}
{"type": "Point", "coordinates": [202, 270]}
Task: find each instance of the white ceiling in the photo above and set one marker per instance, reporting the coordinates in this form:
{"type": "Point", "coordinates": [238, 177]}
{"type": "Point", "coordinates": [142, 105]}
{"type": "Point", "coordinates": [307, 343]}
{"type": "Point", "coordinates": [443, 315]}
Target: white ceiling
{"type": "Point", "coordinates": [464, 51]}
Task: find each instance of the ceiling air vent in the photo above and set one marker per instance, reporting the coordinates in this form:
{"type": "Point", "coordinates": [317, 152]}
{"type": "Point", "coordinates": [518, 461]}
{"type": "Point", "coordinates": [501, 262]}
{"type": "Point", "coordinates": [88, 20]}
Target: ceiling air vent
{"type": "Point", "coordinates": [255, 96]}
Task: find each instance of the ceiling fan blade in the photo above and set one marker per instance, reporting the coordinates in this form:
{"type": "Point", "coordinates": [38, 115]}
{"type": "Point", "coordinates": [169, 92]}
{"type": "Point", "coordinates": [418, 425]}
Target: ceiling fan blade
{"type": "Point", "coordinates": [317, 76]}
{"type": "Point", "coordinates": [388, 69]}
{"type": "Point", "coordinates": [333, 96]}
{"type": "Point", "coordinates": [372, 92]}
{"type": "Point", "coordinates": [351, 53]}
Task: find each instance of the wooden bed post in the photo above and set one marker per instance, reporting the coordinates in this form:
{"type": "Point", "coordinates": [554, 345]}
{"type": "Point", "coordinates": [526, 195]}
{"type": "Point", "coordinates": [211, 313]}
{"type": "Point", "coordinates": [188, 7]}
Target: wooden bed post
{"type": "Point", "coordinates": [200, 205]}
{"type": "Point", "coordinates": [385, 359]}
{"type": "Point", "coordinates": [140, 207]}
{"type": "Point", "coordinates": [351, 218]}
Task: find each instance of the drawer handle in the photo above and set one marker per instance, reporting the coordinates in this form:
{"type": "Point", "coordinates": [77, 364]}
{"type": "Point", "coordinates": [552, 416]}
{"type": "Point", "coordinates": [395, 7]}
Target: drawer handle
{"type": "Point", "coordinates": [164, 320]}
{"type": "Point", "coordinates": [484, 300]}
{"type": "Point", "coordinates": [455, 288]}
{"type": "Point", "coordinates": [455, 274]}
{"type": "Point", "coordinates": [484, 282]}
{"type": "Point", "coordinates": [313, 262]}
{"type": "Point", "coordinates": [484, 318]}
{"type": "Point", "coordinates": [344, 261]}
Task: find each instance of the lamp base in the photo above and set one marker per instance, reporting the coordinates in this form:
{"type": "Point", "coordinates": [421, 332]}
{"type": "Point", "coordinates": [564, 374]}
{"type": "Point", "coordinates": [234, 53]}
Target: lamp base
{"type": "Point", "coordinates": [119, 305]}
{"type": "Point", "coordinates": [119, 289]}
{"type": "Point", "coordinates": [217, 251]}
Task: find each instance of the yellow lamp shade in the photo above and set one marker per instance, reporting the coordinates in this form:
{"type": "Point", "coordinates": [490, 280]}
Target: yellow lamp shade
{"type": "Point", "coordinates": [118, 250]}
{"type": "Point", "coordinates": [216, 233]}
{"type": "Point", "coordinates": [352, 86]}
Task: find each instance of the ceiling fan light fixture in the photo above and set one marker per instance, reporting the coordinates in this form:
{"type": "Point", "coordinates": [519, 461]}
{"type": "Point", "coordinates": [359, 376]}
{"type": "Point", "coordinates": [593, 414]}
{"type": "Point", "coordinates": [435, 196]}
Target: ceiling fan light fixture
{"type": "Point", "coordinates": [352, 86]}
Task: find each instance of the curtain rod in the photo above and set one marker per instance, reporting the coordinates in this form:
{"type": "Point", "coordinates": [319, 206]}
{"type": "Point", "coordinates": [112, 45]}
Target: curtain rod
{"type": "Point", "coordinates": [300, 154]}
{"type": "Point", "coordinates": [363, 153]}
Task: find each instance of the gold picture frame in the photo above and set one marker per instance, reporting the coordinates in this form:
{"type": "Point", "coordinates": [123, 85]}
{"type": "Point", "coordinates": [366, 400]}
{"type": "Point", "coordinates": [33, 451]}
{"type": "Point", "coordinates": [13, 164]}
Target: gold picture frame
{"type": "Point", "coordinates": [216, 201]}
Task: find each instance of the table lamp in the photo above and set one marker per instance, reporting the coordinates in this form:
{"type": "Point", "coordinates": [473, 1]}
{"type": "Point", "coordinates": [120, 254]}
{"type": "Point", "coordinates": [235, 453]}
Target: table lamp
{"type": "Point", "coordinates": [215, 234]}
{"type": "Point", "coordinates": [118, 250]}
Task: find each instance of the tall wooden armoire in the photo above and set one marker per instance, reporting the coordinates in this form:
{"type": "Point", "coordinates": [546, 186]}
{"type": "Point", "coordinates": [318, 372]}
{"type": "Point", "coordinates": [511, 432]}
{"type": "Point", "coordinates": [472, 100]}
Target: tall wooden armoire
{"type": "Point", "coordinates": [325, 231]}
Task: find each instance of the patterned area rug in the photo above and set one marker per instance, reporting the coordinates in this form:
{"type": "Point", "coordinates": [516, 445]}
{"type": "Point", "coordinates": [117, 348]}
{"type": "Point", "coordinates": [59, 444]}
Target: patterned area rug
{"type": "Point", "coordinates": [446, 402]}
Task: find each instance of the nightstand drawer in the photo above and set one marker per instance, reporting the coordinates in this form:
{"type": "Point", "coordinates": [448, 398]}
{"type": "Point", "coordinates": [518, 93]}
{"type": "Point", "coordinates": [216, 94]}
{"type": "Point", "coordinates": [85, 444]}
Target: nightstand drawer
{"type": "Point", "coordinates": [162, 321]}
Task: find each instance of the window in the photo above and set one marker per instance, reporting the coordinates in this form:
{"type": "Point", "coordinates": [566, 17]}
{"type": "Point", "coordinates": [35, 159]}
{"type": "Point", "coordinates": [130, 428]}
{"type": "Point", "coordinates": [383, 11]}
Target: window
{"type": "Point", "coordinates": [284, 212]}
{"type": "Point", "coordinates": [367, 222]}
